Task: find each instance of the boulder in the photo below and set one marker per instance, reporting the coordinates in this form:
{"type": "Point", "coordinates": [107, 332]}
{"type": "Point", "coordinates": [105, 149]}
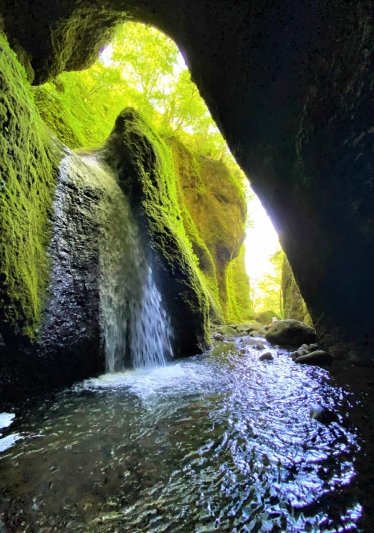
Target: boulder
{"type": "Point", "coordinates": [260, 346]}
{"type": "Point", "coordinates": [227, 330]}
{"type": "Point", "coordinates": [267, 356]}
{"type": "Point", "coordinates": [317, 358]}
{"type": "Point", "coordinates": [290, 333]}
{"type": "Point", "coordinates": [246, 327]}
{"type": "Point", "coordinates": [265, 317]}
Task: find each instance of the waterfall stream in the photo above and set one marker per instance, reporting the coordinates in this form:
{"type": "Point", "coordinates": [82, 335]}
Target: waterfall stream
{"type": "Point", "coordinates": [101, 273]}
{"type": "Point", "coordinates": [135, 326]}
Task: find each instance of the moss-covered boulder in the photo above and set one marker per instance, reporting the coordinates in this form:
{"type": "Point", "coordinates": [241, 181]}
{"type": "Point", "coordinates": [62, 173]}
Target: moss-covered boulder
{"type": "Point", "coordinates": [290, 333]}
{"type": "Point", "coordinates": [146, 175]}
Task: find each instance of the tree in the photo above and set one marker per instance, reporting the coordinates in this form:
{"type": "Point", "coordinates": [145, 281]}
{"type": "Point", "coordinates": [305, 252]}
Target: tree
{"type": "Point", "coordinates": [267, 291]}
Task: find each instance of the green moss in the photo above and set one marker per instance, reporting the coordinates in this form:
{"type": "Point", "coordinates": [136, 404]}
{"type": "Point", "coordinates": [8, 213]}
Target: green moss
{"type": "Point", "coordinates": [147, 176]}
{"type": "Point", "coordinates": [213, 209]}
{"type": "Point", "coordinates": [239, 306]}
{"type": "Point", "coordinates": [26, 195]}
{"type": "Point", "coordinates": [64, 110]}
{"type": "Point", "coordinates": [209, 199]}
{"type": "Point", "coordinates": [294, 305]}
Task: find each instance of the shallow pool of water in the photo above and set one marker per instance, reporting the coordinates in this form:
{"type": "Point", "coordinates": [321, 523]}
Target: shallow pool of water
{"type": "Point", "coordinates": [219, 442]}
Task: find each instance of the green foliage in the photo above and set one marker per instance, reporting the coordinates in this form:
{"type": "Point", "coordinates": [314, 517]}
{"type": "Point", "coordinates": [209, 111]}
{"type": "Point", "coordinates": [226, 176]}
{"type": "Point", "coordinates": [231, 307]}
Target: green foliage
{"type": "Point", "coordinates": [239, 305]}
{"type": "Point", "coordinates": [267, 291]}
{"type": "Point", "coordinates": [143, 69]}
{"type": "Point", "coordinates": [26, 194]}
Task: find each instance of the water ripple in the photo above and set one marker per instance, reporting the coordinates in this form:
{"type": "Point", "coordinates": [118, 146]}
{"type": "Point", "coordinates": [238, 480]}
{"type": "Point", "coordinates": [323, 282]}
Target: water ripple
{"type": "Point", "coordinates": [221, 442]}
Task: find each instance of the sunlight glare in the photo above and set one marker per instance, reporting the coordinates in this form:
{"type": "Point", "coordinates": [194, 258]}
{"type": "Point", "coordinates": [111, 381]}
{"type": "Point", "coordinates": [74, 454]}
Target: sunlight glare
{"type": "Point", "coordinates": [261, 241]}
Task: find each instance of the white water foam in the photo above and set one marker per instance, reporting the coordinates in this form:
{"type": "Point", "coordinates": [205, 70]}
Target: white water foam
{"type": "Point", "coordinates": [6, 419]}
{"type": "Point", "coordinates": [153, 382]}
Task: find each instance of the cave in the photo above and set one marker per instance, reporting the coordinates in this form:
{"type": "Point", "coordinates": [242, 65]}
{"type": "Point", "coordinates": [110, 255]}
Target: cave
{"type": "Point", "coordinates": [290, 86]}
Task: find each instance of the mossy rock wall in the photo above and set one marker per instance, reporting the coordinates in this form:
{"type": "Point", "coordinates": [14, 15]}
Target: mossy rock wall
{"type": "Point", "coordinates": [214, 211]}
{"type": "Point", "coordinates": [210, 198]}
{"type": "Point", "coordinates": [27, 181]}
{"type": "Point", "coordinates": [147, 177]}
{"type": "Point", "coordinates": [293, 303]}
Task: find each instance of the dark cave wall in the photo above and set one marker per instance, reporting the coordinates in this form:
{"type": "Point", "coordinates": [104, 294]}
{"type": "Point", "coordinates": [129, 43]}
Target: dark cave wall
{"type": "Point", "coordinates": [290, 84]}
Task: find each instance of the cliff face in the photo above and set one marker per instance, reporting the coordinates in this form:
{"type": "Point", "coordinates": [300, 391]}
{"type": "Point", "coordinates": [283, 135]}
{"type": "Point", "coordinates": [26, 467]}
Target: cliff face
{"type": "Point", "coordinates": [28, 166]}
{"type": "Point", "coordinates": [214, 212]}
{"type": "Point", "coordinates": [293, 303]}
{"type": "Point", "coordinates": [290, 85]}
{"type": "Point", "coordinates": [211, 202]}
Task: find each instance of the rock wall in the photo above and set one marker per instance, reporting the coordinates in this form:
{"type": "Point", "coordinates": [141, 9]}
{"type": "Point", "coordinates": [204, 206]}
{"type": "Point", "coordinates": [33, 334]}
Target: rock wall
{"type": "Point", "coordinates": [210, 198]}
{"type": "Point", "coordinates": [28, 171]}
{"type": "Point", "coordinates": [294, 305]}
{"type": "Point", "coordinates": [214, 212]}
{"type": "Point", "coordinates": [147, 177]}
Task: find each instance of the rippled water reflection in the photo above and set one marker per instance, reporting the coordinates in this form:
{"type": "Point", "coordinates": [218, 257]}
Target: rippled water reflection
{"type": "Point", "coordinates": [221, 442]}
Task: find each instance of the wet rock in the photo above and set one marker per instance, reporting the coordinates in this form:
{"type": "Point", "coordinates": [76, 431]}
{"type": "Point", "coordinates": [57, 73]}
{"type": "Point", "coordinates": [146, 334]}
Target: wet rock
{"type": "Point", "coordinates": [313, 347]}
{"type": "Point", "coordinates": [323, 415]}
{"type": "Point", "coordinates": [243, 350]}
{"type": "Point", "coordinates": [260, 346]}
{"type": "Point", "coordinates": [250, 341]}
{"type": "Point", "coordinates": [317, 358]}
{"type": "Point", "coordinates": [267, 356]}
{"type": "Point", "coordinates": [227, 330]}
{"type": "Point", "coordinates": [305, 347]}
{"type": "Point", "coordinates": [290, 333]}
{"type": "Point", "coordinates": [218, 337]}
{"type": "Point", "coordinates": [299, 353]}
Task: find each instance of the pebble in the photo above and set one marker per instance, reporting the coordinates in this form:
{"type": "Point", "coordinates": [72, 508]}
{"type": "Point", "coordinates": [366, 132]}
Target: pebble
{"type": "Point", "coordinates": [260, 346]}
{"type": "Point", "coordinates": [267, 356]}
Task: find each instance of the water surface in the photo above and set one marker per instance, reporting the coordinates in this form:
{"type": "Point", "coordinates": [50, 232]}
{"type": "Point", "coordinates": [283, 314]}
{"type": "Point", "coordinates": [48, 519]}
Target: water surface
{"type": "Point", "coordinates": [219, 442]}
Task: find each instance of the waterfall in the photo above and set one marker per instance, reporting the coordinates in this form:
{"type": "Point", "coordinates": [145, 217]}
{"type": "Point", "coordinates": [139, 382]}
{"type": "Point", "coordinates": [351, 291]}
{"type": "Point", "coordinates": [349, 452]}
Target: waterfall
{"type": "Point", "coordinates": [135, 327]}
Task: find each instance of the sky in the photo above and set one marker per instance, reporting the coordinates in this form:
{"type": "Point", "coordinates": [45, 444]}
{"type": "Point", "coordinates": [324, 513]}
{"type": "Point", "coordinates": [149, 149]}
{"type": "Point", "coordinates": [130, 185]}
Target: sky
{"type": "Point", "coordinates": [261, 241]}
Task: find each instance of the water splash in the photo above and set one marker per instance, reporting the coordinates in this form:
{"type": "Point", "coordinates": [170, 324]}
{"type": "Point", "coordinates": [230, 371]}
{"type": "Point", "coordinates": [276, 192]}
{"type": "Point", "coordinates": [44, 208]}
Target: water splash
{"type": "Point", "coordinates": [135, 326]}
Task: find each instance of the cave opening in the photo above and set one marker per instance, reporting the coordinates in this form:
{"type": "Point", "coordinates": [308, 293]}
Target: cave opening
{"type": "Point", "coordinates": [142, 68]}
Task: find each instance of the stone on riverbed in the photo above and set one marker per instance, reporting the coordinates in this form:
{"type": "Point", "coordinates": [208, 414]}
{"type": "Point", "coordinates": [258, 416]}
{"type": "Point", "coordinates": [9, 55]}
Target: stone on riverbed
{"type": "Point", "coordinates": [267, 356]}
{"type": "Point", "coordinates": [260, 346]}
{"type": "Point", "coordinates": [249, 340]}
{"type": "Point", "coordinates": [317, 358]}
{"type": "Point", "coordinates": [299, 353]}
{"type": "Point", "coordinates": [226, 331]}
{"type": "Point", "coordinates": [290, 333]}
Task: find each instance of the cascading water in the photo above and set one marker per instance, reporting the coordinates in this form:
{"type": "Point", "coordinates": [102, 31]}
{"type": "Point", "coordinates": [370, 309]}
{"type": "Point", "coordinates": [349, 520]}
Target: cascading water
{"type": "Point", "coordinates": [135, 326]}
